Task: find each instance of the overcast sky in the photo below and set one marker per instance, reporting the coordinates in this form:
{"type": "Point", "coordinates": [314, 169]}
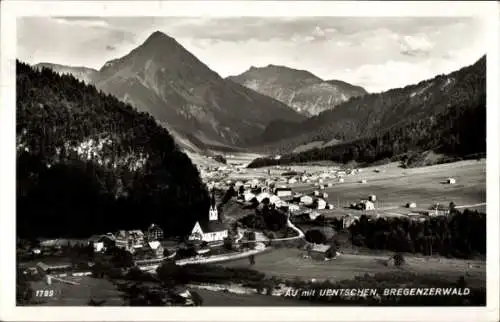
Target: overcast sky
{"type": "Point", "coordinates": [376, 53]}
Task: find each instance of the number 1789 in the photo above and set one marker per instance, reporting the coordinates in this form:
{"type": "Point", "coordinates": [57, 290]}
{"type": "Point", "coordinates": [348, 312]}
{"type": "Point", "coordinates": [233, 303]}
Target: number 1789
{"type": "Point", "coordinates": [44, 293]}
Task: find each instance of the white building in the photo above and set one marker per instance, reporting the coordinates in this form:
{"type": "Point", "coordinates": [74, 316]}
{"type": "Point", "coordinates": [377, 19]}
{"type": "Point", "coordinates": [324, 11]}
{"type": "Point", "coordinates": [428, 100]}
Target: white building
{"type": "Point", "coordinates": [263, 195]}
{"type": "Point", "coordinates": [248, 196]}
{"type": "Point", "coordinates": [283, 192]}
{"type": "Point", "coordinates": [274, 199]}
{"type": "Point", "coordinates": [212, 229]}
{"type": "Point", "coordinates": [320, 203]}
{"type": "Point", "coordinates": [306, 200]}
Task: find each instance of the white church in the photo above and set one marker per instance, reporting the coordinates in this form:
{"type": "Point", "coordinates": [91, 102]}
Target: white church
{"type": "Point", "coordinates": [210, 230]}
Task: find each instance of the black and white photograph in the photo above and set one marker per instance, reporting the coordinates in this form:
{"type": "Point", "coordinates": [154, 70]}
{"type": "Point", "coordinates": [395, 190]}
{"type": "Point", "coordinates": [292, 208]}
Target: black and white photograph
{"type": "Point", "coordinates": [310, 158]}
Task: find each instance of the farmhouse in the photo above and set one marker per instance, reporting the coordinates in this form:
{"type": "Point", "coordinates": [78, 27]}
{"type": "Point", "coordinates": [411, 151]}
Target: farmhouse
{"type": "Point", "coordinates": [152, 249]}
{"type": "Point", "coordinates": [451, 181]}
{"type": "Point", "coordinates": [320, 203]}
{"type": "Point", "coordinates": [248, 196]}
{"type": "Point", "coordinates": [274, 199]}
{"type": "Point", "coordinates": [210, 230]}
{"type": "Point", "coordinates": [411, 205]}
{"type": "Point", "coordinates": [129, 239]}
{"type": "Point", "coordinates": [283, 192]}
{"type": "Point", "coordinates": [263, 195]}
{"type": "Point", "coordinates": [306, 200]}
{"type": "Point", "coordinates": [367, 205]}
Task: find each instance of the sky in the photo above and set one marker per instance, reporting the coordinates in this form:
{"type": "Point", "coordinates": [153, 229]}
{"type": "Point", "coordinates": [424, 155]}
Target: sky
{"type": "Point", "coordinates": [377, 53]}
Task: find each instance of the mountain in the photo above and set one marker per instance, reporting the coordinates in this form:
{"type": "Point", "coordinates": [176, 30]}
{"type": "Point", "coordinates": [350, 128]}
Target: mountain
{"type": "Point", "coordinates": [303, 91]}
{"type": "Point", "coordinates": [86, 75]}
{"type": "Point", "coordinates": [446, 114]}
{"type": "Point", "coordinates": [88, 163]}
{"type": "Point", "coordinates": [185, 96]}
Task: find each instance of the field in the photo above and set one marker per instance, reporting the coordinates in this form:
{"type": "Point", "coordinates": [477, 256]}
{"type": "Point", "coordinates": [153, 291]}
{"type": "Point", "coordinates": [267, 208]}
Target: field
{"type": "Point", "coordinates": [80, 295]}
{"type": "Point", "coordinates": [213, 298]}
{"type": "Point", "coordinates": [102, 289]}
{"type": "Point", "coordinates": [395, 186]}
{"type": "Point", "coordinates": [288, 263]}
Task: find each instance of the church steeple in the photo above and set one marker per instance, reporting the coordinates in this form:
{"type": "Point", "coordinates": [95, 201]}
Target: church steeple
{"type": "Point", "coordinates": [213, 214]}
{"type": "Point", "coordinates": [212, 200]}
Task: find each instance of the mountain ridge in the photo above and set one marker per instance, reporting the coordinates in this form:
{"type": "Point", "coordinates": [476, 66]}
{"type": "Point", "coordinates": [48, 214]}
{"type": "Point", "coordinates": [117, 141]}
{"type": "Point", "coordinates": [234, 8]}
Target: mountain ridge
{"type": "Point", "coordinates": [183, 94]}
{"type": "Point", "coordinates": [300, 89]}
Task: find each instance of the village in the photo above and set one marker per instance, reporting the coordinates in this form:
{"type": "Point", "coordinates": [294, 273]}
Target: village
{"type": "Point", "coordinates": [251, 212]}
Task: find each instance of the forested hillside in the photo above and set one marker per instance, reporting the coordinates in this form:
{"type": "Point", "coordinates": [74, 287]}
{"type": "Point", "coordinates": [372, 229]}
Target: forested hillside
{"type": "Point", "coordinates": [371, 114]}
{"type": "Point", "coordinates": [88, 163]}
{"type": "Point", "coordinates": [454, 126]}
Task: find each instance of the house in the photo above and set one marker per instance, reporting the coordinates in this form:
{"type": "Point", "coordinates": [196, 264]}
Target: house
{"type": "Point", "coordinates": [313, 215]}
{"type": "Point", "coordinates": [367, 205]}
{"type": "Point", "coordinates": [293, 208]}
{"type": "Point", "coordinates": [248, 196]}
{"type": "Point", "coordinates": [263, 195]}
{"type": "Point", "coordinates": [320, 203]}
{"type": "Point", "coordinates": [292, 180]}
{"type": "Point", "coordinates": [153, 249]}
{"type": "Point", "coordinates": [341, 180]}
{"type": "Point", "coordinates": [283, 192]}
{"type": "Point", "coordinates": [274, 199]}
{"type": "Point", "coordinates": [150, 256]}
{"type": "Point", "coordinates": [129, 239]}
{"type": "Point", "coordinates": [372, 198]}
{"type": "Point", "coordinates": [451, 181]}
{"type": "Point", "coordinates": [96, 242]}
{"type": "Point", "coordinates": [411, 205]}
{"type": "Point", "coordinates": [154, 232]}
{"type": "Point", "coordinates": [306, 200]}
{"type": "Point", "coordinates": [211, 229]}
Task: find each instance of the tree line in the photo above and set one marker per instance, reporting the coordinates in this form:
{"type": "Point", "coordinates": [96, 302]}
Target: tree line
{"type": "Point", "coordinates": [460, 234]}
{"type": "Point", "coordinates": [134, 175]}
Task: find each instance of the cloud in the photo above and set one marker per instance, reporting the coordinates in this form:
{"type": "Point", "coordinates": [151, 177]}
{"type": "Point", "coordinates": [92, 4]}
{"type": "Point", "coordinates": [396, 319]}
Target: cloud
{"type": "Point", "coordinates": [374, 50]}
{"type": "Point", "coordinates": [416, 45]}
{"type": "Point", "coordinates": [82, 21]}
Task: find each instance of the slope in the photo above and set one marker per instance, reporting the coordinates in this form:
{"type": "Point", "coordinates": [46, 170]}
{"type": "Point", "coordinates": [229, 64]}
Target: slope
{"type": "Point", "coordinates": [365, 116]}
{"type": "Point", "coordinates": [446, 115]}
{"type": "Point", "coordinates": [164, 79]}
{"type": "Point", "coordinates": [88, 163]}
{"type": "Point", "coordinates": [301, 90]}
